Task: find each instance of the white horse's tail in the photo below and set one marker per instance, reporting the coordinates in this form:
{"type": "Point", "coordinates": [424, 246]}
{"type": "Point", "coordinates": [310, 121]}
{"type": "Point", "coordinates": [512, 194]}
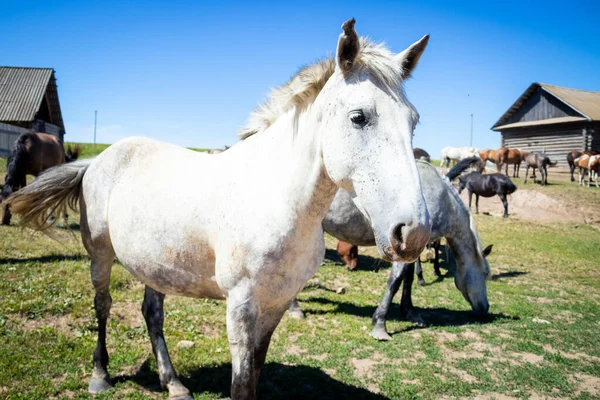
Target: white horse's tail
{"type": "Point", "coordinates": [54, 191]}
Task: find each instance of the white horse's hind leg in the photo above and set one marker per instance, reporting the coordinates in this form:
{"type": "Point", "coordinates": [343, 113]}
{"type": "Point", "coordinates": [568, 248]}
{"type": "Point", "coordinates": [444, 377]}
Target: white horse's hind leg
{"type": "Point", "coordinates": [152, 308]}
{"type": "Point", "coordinates": [102, 254]}
{"type": "Point", "coordinates": [101, 269]}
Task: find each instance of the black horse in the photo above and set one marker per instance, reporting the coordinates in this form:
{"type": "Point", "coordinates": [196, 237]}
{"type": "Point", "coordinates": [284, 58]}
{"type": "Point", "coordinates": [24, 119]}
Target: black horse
{"type": "Point", "coordinates": [482, 185]}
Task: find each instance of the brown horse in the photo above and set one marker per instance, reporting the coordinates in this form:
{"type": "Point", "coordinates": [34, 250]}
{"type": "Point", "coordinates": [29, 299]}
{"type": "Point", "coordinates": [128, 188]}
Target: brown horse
{"type": "Point", "coordinates": [348, 253]}
{"type": "Point", "coordinates": [33, 153]}
{"type": "Point", "coordinates": [488, 155]}
{"type": "Point", "coordinates": [591, 164]}
{"type": "Point", "coordinates": [509, 156]}
{"type": "Point", "coordinates": [572, 155]}
{"type": "Point", "coordinates": [420, 153]}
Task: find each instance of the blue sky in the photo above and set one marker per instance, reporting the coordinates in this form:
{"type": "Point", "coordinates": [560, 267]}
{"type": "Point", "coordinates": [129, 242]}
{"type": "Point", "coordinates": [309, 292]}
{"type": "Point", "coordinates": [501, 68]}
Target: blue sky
{"type": "Point", "coordinates": [189, 72]}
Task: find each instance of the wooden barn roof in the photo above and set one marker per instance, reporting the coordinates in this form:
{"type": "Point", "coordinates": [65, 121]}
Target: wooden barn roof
{"type": "Point", "coordinates": [22, 92]}
{"type": "Point", "coordinates": [584, 102]}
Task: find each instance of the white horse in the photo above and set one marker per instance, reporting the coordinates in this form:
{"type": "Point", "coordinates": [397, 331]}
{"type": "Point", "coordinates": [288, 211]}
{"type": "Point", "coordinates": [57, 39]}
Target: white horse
{"type": "Point", "coordinates": [245, 225]}
{"type": "Point", "coordinates": [456, 154]}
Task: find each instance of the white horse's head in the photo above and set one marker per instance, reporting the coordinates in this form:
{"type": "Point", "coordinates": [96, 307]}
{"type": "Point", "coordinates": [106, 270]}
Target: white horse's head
{"type": "Point", "coordinates": [366, 125]}
{"type": "Point", "coordinates": [473, 271]}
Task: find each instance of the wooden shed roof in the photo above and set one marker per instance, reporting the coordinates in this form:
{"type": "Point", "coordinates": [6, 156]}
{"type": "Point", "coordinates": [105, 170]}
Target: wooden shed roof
{"type": "Point", "coordinates": [22, 92]}
{"type": "Point", "coordinates": [584, 102]}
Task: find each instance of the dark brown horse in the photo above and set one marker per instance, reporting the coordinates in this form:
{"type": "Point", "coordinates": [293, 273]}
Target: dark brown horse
{"type": "Point", "coordinates": [572, 155]}
{"type": "Point", "coordinates": [420, 153]}
{"type": "Point", "coordinates": [507, 156]}
{"type": "Point", "coordinates": [32, 154]}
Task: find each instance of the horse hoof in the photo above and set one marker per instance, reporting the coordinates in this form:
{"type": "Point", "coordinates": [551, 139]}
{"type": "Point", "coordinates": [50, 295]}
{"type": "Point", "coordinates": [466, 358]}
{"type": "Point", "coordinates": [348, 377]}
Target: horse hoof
{"type": "Point", "coordinates": [421, 282]}
{"type": "Point", "coordinates": [380, 334]}
{"type": "Point", "coordinates": [98, 385]}
{"type": "Point", "coordinates": [178, 392]}
{"type": "Point", "coordinates": [297, 314]}
{"type": "Point", "coordinates": [185, 397]}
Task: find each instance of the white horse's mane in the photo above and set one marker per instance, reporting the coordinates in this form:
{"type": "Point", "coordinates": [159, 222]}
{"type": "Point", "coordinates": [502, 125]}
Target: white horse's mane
{"type": "Point", "coordinates": [304, 87]}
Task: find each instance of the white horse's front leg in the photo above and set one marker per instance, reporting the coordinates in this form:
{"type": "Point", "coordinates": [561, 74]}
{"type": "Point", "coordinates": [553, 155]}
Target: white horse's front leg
{"type": "Point", "coordinates": [249, 338]}
{"type": "Point", "coordinates": [242, 315]}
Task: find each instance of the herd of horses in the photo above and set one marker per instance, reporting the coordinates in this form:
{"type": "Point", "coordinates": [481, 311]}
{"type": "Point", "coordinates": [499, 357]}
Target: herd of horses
{"type": "Point", "coordinates": [336, 142]}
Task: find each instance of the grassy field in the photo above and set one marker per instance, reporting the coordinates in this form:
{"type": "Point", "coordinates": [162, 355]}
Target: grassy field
{"type": "Point", "coordinates": [90, 150]}
{"type": "Point", "coordinates": [539, 342]}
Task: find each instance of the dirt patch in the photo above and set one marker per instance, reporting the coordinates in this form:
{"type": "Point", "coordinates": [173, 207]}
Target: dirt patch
{"type": "Point", "coordinates": [532, 205]}
{"type": "Point", "coordinates": [494, 396]}
{"type": "Point", "coordinates": [321, 357]}
{"type": "Point", "coordinates": [295, 350]}
{"type": "Point", "coordinates": [528, 357]}
{"type": "Point", "coordinates": [539, 300]}
{"type": "Point", "coordinates": [127, 313]}
{"type": "Point", "coordinates": [65, 324]}
{"type": "Point", "coordinates": [364, 367]}
{"type": "Point", "coordinates": [586, 383]}
{"type": "Point", "coordinates": [469, 334]}
{"type": "Point", "coordinates": [330, 371]}
{"type": "Point", "coordinates": [444, 336]}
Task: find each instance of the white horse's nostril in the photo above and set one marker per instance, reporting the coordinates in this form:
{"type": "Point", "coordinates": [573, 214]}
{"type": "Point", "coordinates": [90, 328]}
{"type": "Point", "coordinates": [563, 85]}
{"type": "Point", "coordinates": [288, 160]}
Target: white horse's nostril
{"type": "Point", "coordinates": [397, 235]}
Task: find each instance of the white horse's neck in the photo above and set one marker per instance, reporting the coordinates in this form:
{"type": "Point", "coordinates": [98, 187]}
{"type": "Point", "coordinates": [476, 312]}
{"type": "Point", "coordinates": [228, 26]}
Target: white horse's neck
{"type": "Point", "coordinates": [291, 164]}
{"type": "Point", "coordinates": [464, 241]}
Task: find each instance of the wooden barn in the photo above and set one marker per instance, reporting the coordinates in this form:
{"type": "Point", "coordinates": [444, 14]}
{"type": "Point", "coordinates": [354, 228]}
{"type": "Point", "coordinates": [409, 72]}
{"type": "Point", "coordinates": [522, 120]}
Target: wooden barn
{"type": "Point", "coordinates": [28, 100]}
{"type": "Point", "coordinates": [553, 119]}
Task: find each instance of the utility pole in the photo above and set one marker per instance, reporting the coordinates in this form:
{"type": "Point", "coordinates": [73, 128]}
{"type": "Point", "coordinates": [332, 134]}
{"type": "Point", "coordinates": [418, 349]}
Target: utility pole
{"type": "Point", "coordinates": [96, 122]}
{"type": "Point", "coordinates": [471, 143]}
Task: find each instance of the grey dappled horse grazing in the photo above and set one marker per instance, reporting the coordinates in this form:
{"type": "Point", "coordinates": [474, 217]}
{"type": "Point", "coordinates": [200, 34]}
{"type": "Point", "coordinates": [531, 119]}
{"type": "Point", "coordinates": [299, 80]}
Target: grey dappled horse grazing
{"type": "Point", "coordinates": [450, 219]}
{"type": "Point", "coordinates": [541, 161]}
{"type": "Point", "coordinates": [244, 228]}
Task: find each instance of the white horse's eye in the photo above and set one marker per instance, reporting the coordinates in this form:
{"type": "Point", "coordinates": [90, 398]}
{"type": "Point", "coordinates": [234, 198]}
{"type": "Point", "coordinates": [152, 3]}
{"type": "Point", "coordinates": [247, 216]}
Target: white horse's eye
{"type": "Point", "coordinates": [358, 118]}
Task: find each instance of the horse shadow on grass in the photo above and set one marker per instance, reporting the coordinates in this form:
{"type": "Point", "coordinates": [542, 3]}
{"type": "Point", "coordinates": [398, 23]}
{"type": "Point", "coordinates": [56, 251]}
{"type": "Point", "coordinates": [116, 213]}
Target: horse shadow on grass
{"type": "Point", "coordinates": [508, 274]}
{"type": "Point", "coordinates": [438, 316]}
{"type": "Point", "coordinates": [44, 259]}
{"type": "Point", "coordinates": [277, 381]}
{"type": "Point", "coordinates": [365, 263]}
{"type": "Point", "coordinates": [448, 263]}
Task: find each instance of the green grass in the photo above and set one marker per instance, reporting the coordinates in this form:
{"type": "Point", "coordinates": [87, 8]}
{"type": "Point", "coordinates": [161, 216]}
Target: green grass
{"type": "Point", "coordinates": [89, 150]}
{"type": "Point", "coordinates": [541, 272]}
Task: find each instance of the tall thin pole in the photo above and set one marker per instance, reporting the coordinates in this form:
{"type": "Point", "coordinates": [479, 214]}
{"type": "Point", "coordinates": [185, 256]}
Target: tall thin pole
{"type": "Point", "coordinates": [471, 130]}
{"type": "Point", "coordinates": [96, 123]}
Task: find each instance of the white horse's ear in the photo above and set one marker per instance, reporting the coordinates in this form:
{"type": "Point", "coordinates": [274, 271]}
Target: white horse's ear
{"type": "Point", "coordinates": [409, 58]}
{"type": "Point", "coordinates": [348, 47]}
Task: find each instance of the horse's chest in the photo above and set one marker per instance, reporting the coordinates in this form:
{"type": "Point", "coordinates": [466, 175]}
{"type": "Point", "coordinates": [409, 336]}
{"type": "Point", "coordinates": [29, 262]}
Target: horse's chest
{"type": "Point", "coordinates": [277, 266]}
